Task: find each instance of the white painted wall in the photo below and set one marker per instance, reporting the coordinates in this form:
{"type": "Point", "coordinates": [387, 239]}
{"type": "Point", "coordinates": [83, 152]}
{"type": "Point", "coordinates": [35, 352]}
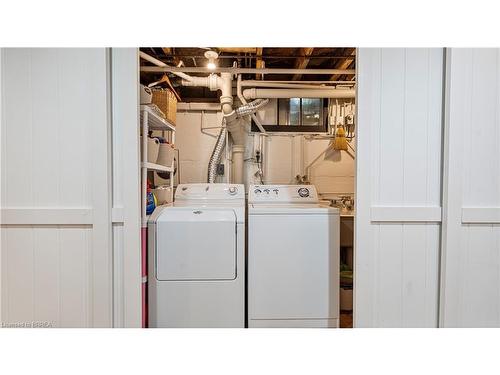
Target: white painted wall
{"type": "Point", "coordinates": [285, 156]}
{"type": "Point", "coordinates": [56, 239]}
{"type": "Point", "coordinates": [195, 145]}
{"type": "Point", "coordinates": [398, 213]}
{"type": "Point", "coordinates": [470, 292]}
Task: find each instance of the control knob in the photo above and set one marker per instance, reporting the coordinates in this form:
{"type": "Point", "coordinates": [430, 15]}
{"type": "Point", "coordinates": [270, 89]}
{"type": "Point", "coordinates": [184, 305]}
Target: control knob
{"type": "Point", "coordinates": [304, 192]}
{"type": "Point", "coordinates": [233, 190]}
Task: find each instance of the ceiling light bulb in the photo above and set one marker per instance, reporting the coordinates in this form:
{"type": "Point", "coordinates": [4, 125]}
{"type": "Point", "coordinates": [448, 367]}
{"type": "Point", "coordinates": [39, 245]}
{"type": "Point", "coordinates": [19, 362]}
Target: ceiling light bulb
{"type": "Point", "coordinates": [211, 64]}
{"type": "Point", "coordinates": [211, 56]}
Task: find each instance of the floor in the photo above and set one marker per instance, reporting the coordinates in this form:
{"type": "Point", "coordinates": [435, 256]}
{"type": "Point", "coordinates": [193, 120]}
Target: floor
{"type": "Point", "coordinates": [346, 319]}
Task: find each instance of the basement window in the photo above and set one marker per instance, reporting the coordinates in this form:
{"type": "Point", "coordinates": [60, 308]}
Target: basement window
{"type": "Point", "coordinates": [299, 115]}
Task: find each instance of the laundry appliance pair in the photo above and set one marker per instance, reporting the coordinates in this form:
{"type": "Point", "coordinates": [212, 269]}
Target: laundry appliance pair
{"type": "Point", "coordinates": [214, 263]}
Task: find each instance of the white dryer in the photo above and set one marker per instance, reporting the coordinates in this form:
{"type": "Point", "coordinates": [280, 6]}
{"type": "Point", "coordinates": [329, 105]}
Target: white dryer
{"type": "Point", "coordinates": [293, 258]}
{"type": "Point", "coordinates": [196, 270]}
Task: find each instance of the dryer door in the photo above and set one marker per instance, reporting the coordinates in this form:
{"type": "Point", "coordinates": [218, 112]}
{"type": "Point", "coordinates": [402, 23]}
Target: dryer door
{"type": "Point", "coordinates": [196, 244]}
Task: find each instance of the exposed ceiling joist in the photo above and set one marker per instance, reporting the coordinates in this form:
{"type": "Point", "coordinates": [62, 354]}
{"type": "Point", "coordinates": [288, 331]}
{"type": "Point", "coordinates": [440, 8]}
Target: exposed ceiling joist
{"type": "Point", "coordinates": [170, 52]}
{"type": "Point", "coordinates": [343, 64]}
{"type": "Point", "coordinates": [259, 63]}
{"type": "Point", "coordinates": [237, 49]}
{"type": "Point", "coordinates": [302, 62]}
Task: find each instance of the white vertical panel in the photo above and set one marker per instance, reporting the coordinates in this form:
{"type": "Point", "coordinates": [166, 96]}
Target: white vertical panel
{"type": "Point", "coordinates": [2, 167]}
{"type": "Point", "coordinates": [470, 273]}
{"type": "Point", "coordinates": [56, 157]}
{"type": "Point", "coordinates": [77, 302]}
{"type": "Point", "coordinates": [398, 170]}
{"type": "Point", "coordinates": [97, 66]}
{"type": "Point", "coordinates": [126, 194]}
{"type": "Point", "coordinates": [18, 270]}
{"type": "Point", "coordinates": [46, 275]}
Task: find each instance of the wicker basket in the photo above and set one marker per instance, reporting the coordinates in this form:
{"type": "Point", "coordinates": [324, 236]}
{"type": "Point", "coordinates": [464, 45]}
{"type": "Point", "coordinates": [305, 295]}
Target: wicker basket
{"type": "Point", "coordinates": [167, 102]}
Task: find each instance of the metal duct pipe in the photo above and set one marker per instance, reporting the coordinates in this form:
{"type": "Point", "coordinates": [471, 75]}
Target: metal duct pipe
{"type": "Point", "coordinates": [235, 127]}
{"type": "Point", "coordinates": [251, 107]}
{"type": "Point", "coordinates": [216, 154]}
{"type": "Point", "coordinates": [298, 93]}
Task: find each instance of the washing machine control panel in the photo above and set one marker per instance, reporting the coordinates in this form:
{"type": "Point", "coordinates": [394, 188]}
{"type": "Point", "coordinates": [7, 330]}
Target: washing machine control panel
{"type": "Point", "coordinates": [283, 193]}
{"type": "Point", "coordinates": [207, 192]}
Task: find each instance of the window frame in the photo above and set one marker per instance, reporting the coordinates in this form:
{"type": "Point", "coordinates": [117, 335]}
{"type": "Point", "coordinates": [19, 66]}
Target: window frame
{"type": "Point", "coordinates": [296, 128]}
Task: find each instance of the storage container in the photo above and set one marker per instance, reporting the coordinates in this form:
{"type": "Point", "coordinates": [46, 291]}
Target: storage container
{"type": "Point", "coordinates": [166, 154]}
{"type": "Point", "coordinates": [167, 102]}
{"type": "Point", "coordinates": [163, 194]}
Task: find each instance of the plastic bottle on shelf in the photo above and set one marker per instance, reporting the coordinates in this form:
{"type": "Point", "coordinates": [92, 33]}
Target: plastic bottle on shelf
{"type": "Point", "coordinates": [151, 201]}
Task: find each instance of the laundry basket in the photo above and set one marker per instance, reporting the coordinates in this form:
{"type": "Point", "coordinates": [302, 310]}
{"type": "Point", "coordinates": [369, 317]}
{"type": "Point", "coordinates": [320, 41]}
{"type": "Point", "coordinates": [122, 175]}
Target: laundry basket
{"type": "Point", "coordinates": [167, 102]}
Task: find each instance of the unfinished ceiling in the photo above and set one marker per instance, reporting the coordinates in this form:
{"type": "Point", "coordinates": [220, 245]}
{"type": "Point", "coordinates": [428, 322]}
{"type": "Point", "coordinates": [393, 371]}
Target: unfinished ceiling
{"type": "Point", "coordinates": [254, 57]}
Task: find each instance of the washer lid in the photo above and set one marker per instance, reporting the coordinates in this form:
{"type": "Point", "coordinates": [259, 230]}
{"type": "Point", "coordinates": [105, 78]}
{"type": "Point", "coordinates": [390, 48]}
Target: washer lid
{"type": "Point", "coordinates": [196, 244]}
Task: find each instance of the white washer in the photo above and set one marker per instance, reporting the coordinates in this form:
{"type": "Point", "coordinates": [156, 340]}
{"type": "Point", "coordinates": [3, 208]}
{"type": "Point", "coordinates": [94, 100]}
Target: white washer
{"type": "Point", "coordinates": [197, 258]}
{"type": "Point", "coordinates": [293, 258]}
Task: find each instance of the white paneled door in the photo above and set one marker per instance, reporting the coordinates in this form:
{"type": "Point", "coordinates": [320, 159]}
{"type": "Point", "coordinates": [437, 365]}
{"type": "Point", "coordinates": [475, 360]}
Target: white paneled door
{"type": "Point", "coordinates": [398, 188]}
{"type": "Point", "coordinates": [56, 244]}
{"type": "Point", "coordinates": [470, 273]}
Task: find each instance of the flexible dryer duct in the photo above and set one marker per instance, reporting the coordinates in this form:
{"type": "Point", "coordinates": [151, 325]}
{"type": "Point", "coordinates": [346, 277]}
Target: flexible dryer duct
{"type": "Point", "coordinates": [238, 134]}
{"type": "Point", "coordinates": [217, 153]}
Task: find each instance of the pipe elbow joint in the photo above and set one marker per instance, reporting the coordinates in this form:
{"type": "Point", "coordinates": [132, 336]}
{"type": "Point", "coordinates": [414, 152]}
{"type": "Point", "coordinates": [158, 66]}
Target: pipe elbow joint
{"type": "Point", "coordinates": [230, 117]}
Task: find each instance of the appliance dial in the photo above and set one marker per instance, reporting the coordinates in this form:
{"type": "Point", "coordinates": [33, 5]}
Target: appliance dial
{"type": "Point", "coordinates": [257, 191]}
{"type": "Point", "coordinates": [233, 190]}
{"type": "Point", "coordinates": [266, 191]}
{"type": "Point", "coordinates": [276, 191]}
{"type": "Point", "coordinates": [304, 192]}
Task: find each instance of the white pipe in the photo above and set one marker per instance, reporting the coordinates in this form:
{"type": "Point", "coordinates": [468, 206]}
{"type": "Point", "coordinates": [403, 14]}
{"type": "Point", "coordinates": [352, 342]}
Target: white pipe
{"type": "Point", "coordinates": [233, 70]}
{"type": "Point", "coordinates": [298, 93]}
{"type": "Point", "coordinates": [244, 102]}
{"type": "Point", "coordinates": [161, 64]}
{"type": "Point", "coordinates": [297, 85]}
{"type": "Point", "coordinates": [301, 82]}
{"type": "Point", "coordinates": [214, 83]}
{"type": "Point", "coordinates": [237, 170]}
{"type": "Point", "coordinates": [225, 84]}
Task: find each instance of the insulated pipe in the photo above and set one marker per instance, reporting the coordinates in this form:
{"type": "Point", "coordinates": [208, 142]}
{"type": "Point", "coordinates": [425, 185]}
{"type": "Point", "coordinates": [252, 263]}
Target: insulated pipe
{"type": "Point", "coordinates": [237, 171]}
{"type": "Point", "coordinates": [298, 93]}
{"type": "Point", "coordinates": [161, 64]}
